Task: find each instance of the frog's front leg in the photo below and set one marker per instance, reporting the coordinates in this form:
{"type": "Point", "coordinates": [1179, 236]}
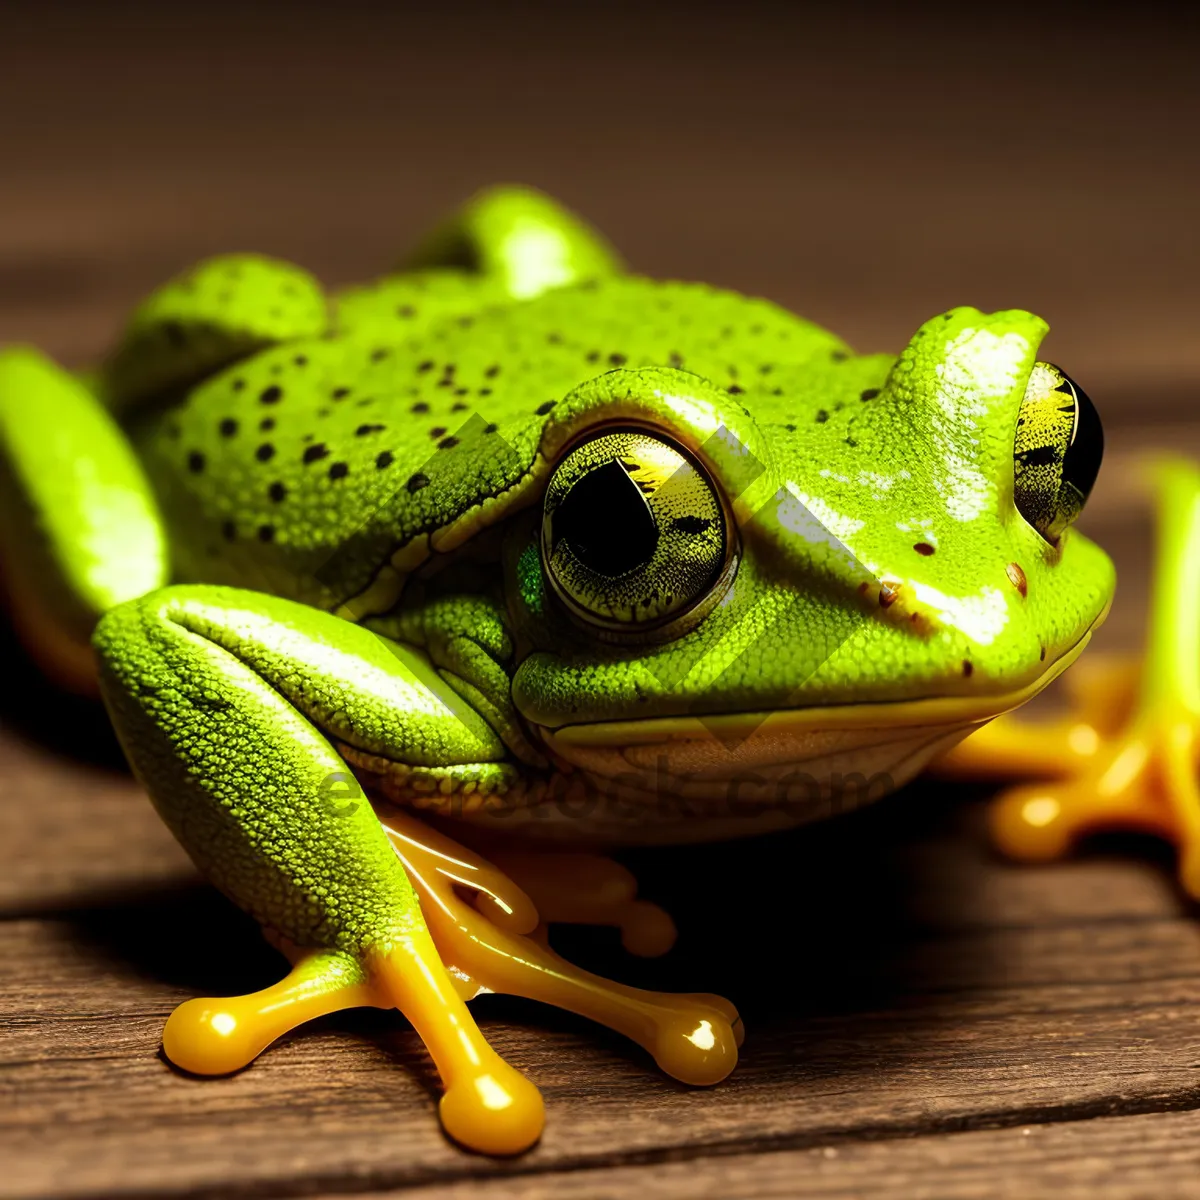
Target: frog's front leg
{"type": "Point", "coordinates": [222, 699]}
{"type": "Point", "coordinates": [1128, 758]}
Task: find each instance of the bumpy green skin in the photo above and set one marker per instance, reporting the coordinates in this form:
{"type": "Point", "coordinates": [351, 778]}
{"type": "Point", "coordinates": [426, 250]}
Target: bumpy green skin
{"type": "Point", "coordinates": [207, 686]}
{"type": "Point", "coordinates": [372, 445]}
{"type": "Point", "coordinates": [219, 311]}
{"type": "Point", "coordinates": [872, 498]}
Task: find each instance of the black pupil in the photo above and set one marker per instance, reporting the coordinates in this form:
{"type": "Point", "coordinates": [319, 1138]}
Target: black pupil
{"type": "Point", "coordinates": [606, 522]}
{"type": "Point", "coordinates": [1081, 464]}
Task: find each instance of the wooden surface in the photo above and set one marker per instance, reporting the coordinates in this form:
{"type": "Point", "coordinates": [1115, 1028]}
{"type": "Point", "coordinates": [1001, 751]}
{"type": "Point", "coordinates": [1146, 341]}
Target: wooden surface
{"type": "Point", "coordinates": [923, 1020]}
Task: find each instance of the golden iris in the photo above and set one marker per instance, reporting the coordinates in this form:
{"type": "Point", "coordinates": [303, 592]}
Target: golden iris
{"type": "Point", "coordinates": [1059, 445]}
{"type": "Point", "coordinates": [633, 530]}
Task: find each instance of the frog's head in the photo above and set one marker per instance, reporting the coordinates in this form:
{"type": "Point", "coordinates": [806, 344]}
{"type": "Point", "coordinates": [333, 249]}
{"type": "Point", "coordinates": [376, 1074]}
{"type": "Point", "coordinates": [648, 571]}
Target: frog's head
{"type": "Point", "coordinates": [843, 572]}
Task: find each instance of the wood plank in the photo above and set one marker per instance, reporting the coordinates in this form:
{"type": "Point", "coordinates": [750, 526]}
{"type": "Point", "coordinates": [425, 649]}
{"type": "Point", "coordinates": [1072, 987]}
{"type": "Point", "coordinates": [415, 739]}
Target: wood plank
{"type": "Point", "coordinates": [1122, 1158]}
{"type": "Point", "coordinates": [69, 829]}
{"type": "Point", "coordinates": [890, 1028]}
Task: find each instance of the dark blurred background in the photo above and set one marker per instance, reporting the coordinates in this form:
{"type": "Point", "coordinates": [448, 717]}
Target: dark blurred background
{"type": "Point", "coordinates": [867, 166]}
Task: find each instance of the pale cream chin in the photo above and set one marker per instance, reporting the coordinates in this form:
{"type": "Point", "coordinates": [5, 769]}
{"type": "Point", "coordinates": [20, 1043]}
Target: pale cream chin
{"type": "Point", "coordinates": [714, 788]}
{"type": "Point", "coordinates": [700, 779]}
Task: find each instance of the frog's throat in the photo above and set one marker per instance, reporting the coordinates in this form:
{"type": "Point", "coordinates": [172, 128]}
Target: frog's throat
{"type": "Point", "coordinates": [686, 779]}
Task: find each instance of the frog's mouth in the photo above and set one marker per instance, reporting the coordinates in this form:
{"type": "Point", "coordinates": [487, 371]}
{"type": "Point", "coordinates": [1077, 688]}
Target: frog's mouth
{"type": "Point", "coordinates": [686, 778]}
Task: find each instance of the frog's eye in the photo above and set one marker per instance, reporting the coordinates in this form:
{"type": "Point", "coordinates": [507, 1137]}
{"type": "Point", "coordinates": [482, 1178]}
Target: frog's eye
{"type": "Point", "coordinates": [633, 530]}
{"type": "Point", "coordinates": [1057, 453]}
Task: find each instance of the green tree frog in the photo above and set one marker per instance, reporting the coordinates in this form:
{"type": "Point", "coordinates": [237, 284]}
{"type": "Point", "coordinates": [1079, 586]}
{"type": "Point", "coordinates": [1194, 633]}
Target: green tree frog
{"type": "Point", "coordinates": [513, 543]}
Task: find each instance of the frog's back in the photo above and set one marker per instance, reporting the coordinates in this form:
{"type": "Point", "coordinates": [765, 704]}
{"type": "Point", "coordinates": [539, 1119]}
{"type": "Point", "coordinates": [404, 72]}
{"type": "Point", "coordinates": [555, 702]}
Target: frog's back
{"type": "Point", "coordinates": [303, 468]}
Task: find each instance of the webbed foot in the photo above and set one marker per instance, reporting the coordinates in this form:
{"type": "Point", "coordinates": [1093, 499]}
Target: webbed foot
{"type": "Point", "coordinates": [487, 1104]}
{"type": "Point", "coordinates": [588, 889]}
{"type": "Point", "coordinates": [498, 943]}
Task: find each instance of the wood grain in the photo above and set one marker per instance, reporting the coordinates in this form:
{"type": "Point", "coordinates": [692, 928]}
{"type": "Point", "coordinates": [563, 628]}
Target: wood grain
{"type": "Point", "coordinates": [905, 1009]}
{"type": "Point", "coordinates": [923, 1019]}
{"type": "Point", "coordinates": [1125, 1158]}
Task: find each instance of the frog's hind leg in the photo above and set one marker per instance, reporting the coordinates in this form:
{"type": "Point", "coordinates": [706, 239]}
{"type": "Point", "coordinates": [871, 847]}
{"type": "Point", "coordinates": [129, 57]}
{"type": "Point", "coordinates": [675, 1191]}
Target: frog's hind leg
{"type": "Point", "coordinates": [80, 530]}
{"type": "Point", "coordinates": [1142, 735]}
{"type": "Point", "coordinates": [522, 239]}
{"type": "Point", "coordinates": [692, 1037]}
{"type": "Point", "coordinates": [79, 525]}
